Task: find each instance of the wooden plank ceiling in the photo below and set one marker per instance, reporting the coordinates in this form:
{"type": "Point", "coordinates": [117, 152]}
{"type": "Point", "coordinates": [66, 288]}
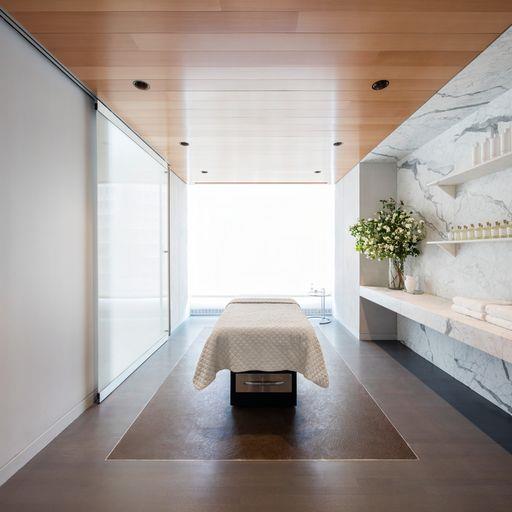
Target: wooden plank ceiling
{"type": "Point", "coordinates": [261, 89]}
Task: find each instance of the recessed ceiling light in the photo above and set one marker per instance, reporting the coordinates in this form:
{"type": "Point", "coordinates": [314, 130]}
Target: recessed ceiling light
{"type": "Point", "coordinates": [380, 84]}
{"type": "Point", "coordinates": [204, 172]}
{"type": "Point", "coordinates": [338, 143]}
{"type": "Point", "coordinates": [318, 172]}
{"type": "Point", "coordinates": [183, 143]}
{"type": "Point", "coordinates": [141, 85]}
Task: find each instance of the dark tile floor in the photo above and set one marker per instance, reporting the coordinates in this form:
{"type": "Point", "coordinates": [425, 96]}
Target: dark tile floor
{"type": "Point", "coordinates": [460, 468]}
{"type": "Point", "coordinates": [489, 418]}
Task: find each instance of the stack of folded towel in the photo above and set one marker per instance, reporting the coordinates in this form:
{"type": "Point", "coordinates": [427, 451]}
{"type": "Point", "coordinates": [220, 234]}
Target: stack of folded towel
{"type": "Point", "coordinates": [470, 307]}
{"type": "Point", "coordinates": [498, 312]}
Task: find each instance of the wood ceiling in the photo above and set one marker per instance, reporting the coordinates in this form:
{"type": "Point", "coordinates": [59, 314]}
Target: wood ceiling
{"type": "Point", "coordinates": [261, 89]}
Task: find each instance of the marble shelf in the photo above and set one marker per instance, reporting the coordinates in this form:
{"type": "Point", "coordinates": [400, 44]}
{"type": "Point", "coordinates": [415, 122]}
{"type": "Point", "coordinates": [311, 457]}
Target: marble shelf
{"type": "Point", "coordinates": [449, 183]}
{"type": "Point", "coordinates": [450, 246]}
{"type": "Point", "coordinates": [436, 313]}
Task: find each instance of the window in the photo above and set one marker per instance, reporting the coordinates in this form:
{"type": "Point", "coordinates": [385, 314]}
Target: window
{"type": "Point", "coordinates": [260, 239]}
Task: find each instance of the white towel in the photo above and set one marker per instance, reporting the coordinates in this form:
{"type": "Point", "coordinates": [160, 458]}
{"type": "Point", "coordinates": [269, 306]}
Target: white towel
{"type": "Point", "coordinates": [465, 311]}
{"type": "Point", "coordinates": [499, 321]}
{"type": "Point", "coordinates": [478, 304]}
{"type": "Point", "coordinates": [497, 311]}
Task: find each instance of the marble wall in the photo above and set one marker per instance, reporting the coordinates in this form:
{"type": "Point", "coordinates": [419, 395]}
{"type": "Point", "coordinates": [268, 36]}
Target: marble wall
{"type": "Point", "coordinates": [480, 82]}
{"type": "Point", "coordinates": [482, 270]}
{"type": "Point", "coordinates": [485, 374]}
{"type": "Point", "coordinates": [479, 270]}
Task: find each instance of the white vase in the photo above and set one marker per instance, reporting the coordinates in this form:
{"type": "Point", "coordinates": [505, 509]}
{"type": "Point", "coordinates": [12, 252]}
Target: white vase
{"type": "Point", "coordinates": [410, 284]}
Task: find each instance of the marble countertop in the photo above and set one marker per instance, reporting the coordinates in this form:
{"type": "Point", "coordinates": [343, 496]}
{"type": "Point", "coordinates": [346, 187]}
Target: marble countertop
{"type": "Point", "coordinates": [435, 312]}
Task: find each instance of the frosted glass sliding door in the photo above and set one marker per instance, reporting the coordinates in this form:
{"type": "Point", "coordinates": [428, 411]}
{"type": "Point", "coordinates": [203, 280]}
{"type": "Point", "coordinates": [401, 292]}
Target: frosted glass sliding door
{"type": "Point", "coordinates": [132, 254]}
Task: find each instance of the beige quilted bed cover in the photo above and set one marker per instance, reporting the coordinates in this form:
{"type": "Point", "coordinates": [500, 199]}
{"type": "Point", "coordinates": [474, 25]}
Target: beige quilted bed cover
{"type": "Point", "coordinates": [265, 335]}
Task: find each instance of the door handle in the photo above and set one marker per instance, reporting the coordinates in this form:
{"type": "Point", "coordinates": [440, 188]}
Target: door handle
{"type": "Point", "coordinates": [264, 383]}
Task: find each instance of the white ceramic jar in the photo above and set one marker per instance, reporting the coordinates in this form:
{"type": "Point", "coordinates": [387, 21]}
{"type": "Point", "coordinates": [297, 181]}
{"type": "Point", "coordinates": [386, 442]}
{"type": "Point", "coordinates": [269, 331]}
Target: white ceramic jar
{"type": "Point", "coordinates": [410, 284]}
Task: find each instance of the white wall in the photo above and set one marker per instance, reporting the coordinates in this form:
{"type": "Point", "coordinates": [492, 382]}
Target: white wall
{"type": "Point", "coordinates": [46, 294]}
{"type": "Point", "coordinates": [347, 261]}
{"type": "Point", "coordinates": [377, 181]}
{"type": "Point", "coordinates": [357, 195]}
{"type": "Point", "coordinates": [178, 251]}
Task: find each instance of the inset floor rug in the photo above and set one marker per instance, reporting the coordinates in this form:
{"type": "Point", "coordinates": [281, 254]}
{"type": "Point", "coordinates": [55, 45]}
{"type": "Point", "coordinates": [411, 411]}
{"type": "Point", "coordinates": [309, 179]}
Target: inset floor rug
{"type": "Point", "coordinates": [340, 422]}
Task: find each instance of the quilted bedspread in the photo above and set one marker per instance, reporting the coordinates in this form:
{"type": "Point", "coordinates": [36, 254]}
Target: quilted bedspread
{"type": "Point", "coordinates": [265, 335]}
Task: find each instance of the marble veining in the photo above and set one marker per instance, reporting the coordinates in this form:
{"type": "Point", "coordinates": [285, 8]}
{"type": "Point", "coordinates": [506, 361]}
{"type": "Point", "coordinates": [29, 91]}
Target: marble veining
{"type": "Point", "coordinates": [484, 79]}
{"type": "Point", "coordinates": [478, 270]}
{"type": "Point", "coordinates": [481, 270]}
{"type": "Point", "coordinates": [436, 313]}
{"type": "Point", "coordinates": [487, 375]}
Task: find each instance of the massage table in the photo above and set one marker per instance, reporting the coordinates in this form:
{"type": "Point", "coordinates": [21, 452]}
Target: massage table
{"type": "Point", "coordinates": [264, 343]}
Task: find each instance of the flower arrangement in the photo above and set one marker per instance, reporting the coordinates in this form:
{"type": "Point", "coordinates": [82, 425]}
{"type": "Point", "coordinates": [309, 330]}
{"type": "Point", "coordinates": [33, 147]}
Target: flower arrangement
{"type": "Point", "coordinates": [394, 234]}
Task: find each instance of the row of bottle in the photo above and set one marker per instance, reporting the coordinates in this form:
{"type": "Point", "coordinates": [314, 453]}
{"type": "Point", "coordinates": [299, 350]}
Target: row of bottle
{"type": "Point", "coordinates": [497, 145]}
{"type": "Point", "coordinates": [497, 230]}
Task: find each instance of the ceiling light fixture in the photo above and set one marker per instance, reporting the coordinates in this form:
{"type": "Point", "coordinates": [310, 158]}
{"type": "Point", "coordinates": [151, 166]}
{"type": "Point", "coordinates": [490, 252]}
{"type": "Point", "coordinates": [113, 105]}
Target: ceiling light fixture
{"type": "Point", "coordinates": [338, 143]}
{"type": "Point", "coordinates": [183, 143]}
{"type": "Point", "coordinates": [141, 85]}
{"type": "Point", "coordinates": [380, 84]}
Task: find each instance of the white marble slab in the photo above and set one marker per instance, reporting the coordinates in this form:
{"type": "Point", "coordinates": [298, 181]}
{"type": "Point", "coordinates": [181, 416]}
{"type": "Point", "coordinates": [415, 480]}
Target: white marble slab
{"type": "Point", "coordinates": [435, 313]}
{"type": "Point", "coordinates": [481, 269]}
{"type": "Point", "coordinates": [486, 375]}
{"type": "Point", "coordinates": [484, 79]}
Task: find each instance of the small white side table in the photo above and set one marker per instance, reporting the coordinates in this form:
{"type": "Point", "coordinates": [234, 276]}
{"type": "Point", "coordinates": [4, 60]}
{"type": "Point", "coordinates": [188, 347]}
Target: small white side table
{"type": "Point", "coordinates": [321, 293]}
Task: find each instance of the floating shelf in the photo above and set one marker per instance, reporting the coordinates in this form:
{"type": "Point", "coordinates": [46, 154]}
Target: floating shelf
{"type": "Point", "coordinates": [436, 313]}
{"type": "Point", "coordinates": [450, 182]}
{"type": "Point", "coordinates": [450, 246]}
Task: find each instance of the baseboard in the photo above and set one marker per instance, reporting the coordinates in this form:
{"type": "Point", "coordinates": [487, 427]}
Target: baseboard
{"type": "Point", "coordinates": [30, 451]}
{"type": "Point", "coordinates": [365, 336]}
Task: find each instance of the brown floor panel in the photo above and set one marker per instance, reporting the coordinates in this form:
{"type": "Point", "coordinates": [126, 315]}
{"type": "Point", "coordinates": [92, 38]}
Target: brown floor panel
{"type": "Point", "coordinates": [338, 423]}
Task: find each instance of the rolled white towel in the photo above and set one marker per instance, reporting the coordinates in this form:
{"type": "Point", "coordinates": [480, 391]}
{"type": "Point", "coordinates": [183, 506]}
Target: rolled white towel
{"type": "Point", "coordinates": [478, 304]}
{"type": "Point", "coordinates": [499, 321]}
{"type": "Point", "coordinates": [497, 311]}
{"type": "Point", "coordinates": [468, 312]}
